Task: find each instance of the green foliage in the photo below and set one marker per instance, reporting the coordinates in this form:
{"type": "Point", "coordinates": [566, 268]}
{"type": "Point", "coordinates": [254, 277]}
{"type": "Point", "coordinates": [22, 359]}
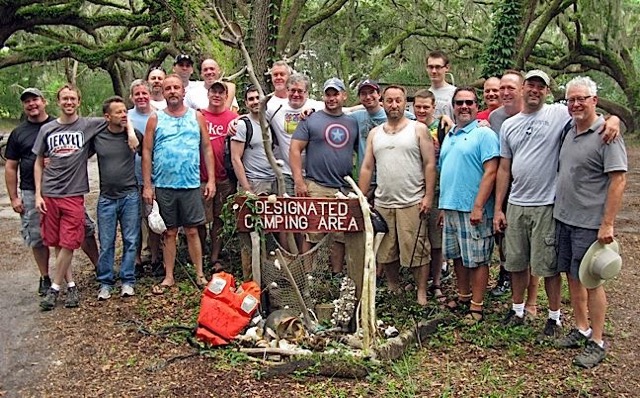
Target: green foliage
{"type": "Point", "coordinates": [501, 50]}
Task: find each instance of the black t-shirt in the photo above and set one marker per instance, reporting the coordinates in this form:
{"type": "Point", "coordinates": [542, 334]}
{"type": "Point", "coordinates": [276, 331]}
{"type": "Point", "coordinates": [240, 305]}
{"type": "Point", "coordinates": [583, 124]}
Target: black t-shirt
{"type": "Point", "coordinates": [19, 148]}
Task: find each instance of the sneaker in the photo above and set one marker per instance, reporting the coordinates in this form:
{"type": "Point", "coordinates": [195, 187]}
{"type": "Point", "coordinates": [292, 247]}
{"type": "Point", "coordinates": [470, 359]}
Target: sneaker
{"type": "Point", "coordinates": [511, 319]}
{"type": "Point", "coordinates": [502, 288]}
{"type": "Point", "coordinates": [104, 293]}
{"type": "Point", "coordinates": [127, 291]}
{"type": "Point", "coordinates": [49, 301]}
{"type": "Point", "coordinates": [551, 331]}
{"type": "Point", "coordinates": [446, 272]}
{"type": "Point", "coordinates": [43, 287]}
{"type": "Point", "coordinates": [592, 355]}
{"type": "Point", "coordinates": [73, 298]}
{"type": "Point", "coordinates": [573, 339]}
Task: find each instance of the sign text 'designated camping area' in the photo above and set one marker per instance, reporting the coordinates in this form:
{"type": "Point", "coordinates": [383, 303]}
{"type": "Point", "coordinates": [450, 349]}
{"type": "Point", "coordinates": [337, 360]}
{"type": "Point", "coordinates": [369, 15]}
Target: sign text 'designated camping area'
{"type": "Point", "coordinates": [301, 215]}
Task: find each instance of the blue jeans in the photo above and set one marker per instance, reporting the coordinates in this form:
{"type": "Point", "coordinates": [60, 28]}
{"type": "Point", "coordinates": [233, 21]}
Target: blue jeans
{"type": "Point", "coordinates": [125, 211]}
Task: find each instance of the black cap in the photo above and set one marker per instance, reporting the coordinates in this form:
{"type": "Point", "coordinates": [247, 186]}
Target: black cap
{"type": "Point", "coordinates": [369, 83]}
{"type": "Point", "coordinates": [183, 58]}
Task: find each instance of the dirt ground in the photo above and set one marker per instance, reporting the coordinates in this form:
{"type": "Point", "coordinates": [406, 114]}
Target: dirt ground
{"type": "Point", "coordinates": [113, 348]}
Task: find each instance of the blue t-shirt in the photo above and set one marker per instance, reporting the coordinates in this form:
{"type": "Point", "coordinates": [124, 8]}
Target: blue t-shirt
{"type": "Point", "coordinates": [331, 141]}
{"type": "Point", "coordinates": [176, 151]}
{"type": "Point", "coordinates": [462, 157]}
{"type": "Point", "coordinates": [139, 121]}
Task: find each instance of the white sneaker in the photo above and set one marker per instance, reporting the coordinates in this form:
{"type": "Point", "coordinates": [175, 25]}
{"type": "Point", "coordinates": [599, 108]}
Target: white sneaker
{"type": "Point", "coordinates": [127, 291]}
{"type": "Point", "coordinates": [104, 293]}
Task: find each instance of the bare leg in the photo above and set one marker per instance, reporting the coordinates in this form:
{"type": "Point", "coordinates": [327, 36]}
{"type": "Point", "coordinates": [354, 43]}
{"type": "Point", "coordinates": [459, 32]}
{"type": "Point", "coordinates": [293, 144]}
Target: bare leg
{"type": "Point", "coordinates": [154, 246]}
{"type": "Point", "coordinates": [519, 283]}
{"type": "Point", "coordinates": [63, 265]}
{"type": "Point", "coordinates": [462, 277]}
{"type": "Point", "coordinates": [532, 295]}
{"type": "Point", "coordinates": [392, 273]}
{"type": "Point", "coordinates": [479, 280]}
{"type": "Point", "coordinates": [553, 287]}
{"type": "Point", "coordinates": [597, 310]}
{"type": "Point", "coordinates": [41, 255]}
{"type": "Point", "coordinates": [169, 254]}
{"type": "Point", "coordinates": [202, 236]}
{"type": "Point", "coordinates": [195, 250]}
{"type": "Point", "coordinates": [421, 276]}
{"type": "Point", "coordinates": [436, 266]}
{"type": "Point", "coordinates": [579, 303]}
{"type": "Point", "coordinates": [216, 242]}
{"type": "Point", "coordinates": [337, 257]}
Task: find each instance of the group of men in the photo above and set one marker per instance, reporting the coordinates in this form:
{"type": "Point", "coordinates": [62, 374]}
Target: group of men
{"type": "Point", "coordinates": [441, 187]}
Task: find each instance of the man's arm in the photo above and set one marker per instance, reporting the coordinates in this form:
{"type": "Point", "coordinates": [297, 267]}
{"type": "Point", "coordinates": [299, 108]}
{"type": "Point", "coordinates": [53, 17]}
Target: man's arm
{"type": "Point", "coordinates": [486, 188]}
{"type": "Point", "coordinates": [295, 162]}
{"type": "Point", "coordinates": [368, 164]}
{"type": "Point", "coordinates": [503, 177]}
{"type": "Point", "coordinates": [11, 179]}
{"type": "Point", "coordinates": [617, 183]}
{"type": "Point", "coordinates": [231, 94]}
{"type": "Point", "coordinates": [207, 155]}
{"type": "Point", "coordinates": [237, 150]}
{"type": "Point", "coordinates": [132, 138]}
{"type": "Point", "coordinates": [428, 165]}
{"type": "Point", "coordinates": [37, 176]}
{"type": "Point", "coordinates": [147, 155]}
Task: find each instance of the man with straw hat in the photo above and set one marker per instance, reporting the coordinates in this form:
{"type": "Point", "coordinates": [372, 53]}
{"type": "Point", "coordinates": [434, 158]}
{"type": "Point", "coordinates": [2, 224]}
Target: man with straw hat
{"type": "Point", "coordinates": [591, 181]}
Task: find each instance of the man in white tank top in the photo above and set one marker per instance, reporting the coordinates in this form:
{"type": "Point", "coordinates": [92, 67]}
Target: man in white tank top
{"type": "Point", "coordinates": [402, 153]}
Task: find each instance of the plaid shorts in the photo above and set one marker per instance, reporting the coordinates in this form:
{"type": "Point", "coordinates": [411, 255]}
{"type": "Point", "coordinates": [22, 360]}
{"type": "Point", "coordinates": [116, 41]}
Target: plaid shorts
{"type": "Point", "coordinates": [30, 220]}
{"type": "Point", "coordinates": [472, 243]}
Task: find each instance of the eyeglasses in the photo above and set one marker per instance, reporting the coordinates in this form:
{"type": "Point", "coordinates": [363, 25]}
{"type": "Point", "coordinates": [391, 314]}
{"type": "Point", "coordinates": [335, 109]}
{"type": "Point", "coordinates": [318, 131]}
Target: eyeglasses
{"type": "Point", "coordinates": [436, 67]}
{"type": "Point", "coordinates": [464, 102]}
{"type": "Point", "coordinates": [578, 100]}
{"type": "Point", "coordinates": [297, 91]}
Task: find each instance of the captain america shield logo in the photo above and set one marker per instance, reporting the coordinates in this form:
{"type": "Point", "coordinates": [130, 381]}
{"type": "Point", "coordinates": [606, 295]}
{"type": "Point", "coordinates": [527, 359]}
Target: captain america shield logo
{"type": "Point", "coordinates": [336, 135]}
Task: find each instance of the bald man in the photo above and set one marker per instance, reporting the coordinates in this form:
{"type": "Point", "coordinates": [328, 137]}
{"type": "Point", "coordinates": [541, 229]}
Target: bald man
{"type": "Point", "coordinates": [197, 97]}
{"type": "Point", "coordinates": [491, 95]}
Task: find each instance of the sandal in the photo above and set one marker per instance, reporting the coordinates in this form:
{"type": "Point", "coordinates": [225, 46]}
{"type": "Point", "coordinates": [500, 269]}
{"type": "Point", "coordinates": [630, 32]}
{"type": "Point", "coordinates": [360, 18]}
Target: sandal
{"type": "Point", "coordinates": [217, 266]}
{"type": "Point", "coordinates": [474, 316]}
{"type": "Point", "coordinates": [436, 293]}
{"type": "Point", "coordinates": [460, 303]}
{"type": "Point", "coordinates": [201, 281]}
{"type": "Point", "coordinates": [161, 289]}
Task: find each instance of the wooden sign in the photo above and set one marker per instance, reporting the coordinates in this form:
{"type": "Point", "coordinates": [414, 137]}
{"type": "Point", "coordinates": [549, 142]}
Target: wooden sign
{"type": "Point", "coordinates": [302, 215]}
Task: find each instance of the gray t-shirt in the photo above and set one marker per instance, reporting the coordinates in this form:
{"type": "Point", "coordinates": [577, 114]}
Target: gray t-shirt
{"type": "Point", "coordinates": [532, 142]}
{"type": "Point", "coordinates": [444, 95]}
{"type": "Point", "coordinates": [331, 143]}
{"type": "Point", "coordinates": [254, 158]}
{"type": "Point", "coordinates": [582, 185]}
{"type": "Point", "coordinates": [67, 147]}
{"type": "Point", "coordinates": [115, 163]}
{"type": "Point", "coordinates": [496, 118]}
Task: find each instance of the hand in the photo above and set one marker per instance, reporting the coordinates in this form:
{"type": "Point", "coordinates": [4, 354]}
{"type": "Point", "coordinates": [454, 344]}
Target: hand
{"type": "Point", "coordinates": [605, 234]}
{"type": "Point", "coordinates": [306, 113]}
{"type": "Point", "coordinates": [425, 205]}
{"type": "Point", "coordinates": [232, 127]}
{"type": "Point", "coordinates": [147, 195]}
{"type": "Point", "coordinates": [210, 190]}
{"type": "Point", "coordinates": [133, 142]}
{"type": "Point", "coordinates": [41, 205]}
{"type": "Point", "coordinates": [476, 216]}
{"type": "Point", "coordinates": [611, 129]}
{"type": "Point", "coordinates": [499, 221]}
{"type": "Point", "coordinates": [17, 205]}
{"type": "Point", "coordinates": [441, 218]}
{"type": "Point", "coordinates": [483, 123]}
{"type": "Point", "coordinates": [447, 123]}
{"type": "Point", "coordinates": [301, 189]}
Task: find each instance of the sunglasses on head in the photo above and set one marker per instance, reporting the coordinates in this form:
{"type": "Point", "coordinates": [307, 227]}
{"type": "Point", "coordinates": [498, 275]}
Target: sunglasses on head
{"type": "Point", "coordinates": [464, 102]}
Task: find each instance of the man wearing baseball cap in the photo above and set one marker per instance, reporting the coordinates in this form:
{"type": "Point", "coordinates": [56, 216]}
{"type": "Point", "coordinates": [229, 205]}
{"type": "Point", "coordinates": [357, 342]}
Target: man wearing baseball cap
{"type": "Point", "coordinates": [183, 67]}
{"type": "Point", "coordinates": [330, 138]}
{"type": "Point", "coordinates": [591, 182]}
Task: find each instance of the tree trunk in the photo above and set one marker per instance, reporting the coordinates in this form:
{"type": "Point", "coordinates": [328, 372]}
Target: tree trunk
{"type": "Point", "coordinates": [261, 37]}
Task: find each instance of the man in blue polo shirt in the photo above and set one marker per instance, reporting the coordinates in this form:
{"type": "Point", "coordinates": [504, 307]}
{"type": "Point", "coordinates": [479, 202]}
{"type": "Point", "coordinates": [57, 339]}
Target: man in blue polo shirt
{"type": "Point", "coordinates": [468, 164]}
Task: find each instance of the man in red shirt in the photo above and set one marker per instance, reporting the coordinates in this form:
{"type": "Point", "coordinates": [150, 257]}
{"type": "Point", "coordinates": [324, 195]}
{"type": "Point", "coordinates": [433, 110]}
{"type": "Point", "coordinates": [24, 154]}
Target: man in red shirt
{"type": "Point", "coordinates": [217, 117]}
{"type": "Point", "coordinates": [491, 97]}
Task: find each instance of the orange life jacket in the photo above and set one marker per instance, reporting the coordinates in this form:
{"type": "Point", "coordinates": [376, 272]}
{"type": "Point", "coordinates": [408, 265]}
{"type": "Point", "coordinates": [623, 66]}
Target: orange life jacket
{"type": "Point", "coordinates": [225, 311]}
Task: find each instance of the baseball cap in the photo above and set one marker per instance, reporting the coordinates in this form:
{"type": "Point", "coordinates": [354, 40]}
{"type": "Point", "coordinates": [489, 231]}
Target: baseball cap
{"type": "Point", "coordinates": [219, 83]}
{"type": "Point", "coordinates": [539, 74]}
{"type": "Point", "coordinates": [334, 83]}
{"type": "Point", "coordinates": [30, 91]}
{"type": "Point", "coordinates": [183, 58]}
{"type": "Point", "coordinates": [368, 83]}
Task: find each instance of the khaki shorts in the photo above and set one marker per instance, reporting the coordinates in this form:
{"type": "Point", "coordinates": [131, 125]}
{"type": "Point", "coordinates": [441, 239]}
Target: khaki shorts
{"type": "Point", "coordinates": [407, 237]}
{"type": "Point", "coordinates": [530, 240]}
{"type": "Point", "coordinates": [316, 190]}
{"type": "Point", "coordinates": [260, 187]}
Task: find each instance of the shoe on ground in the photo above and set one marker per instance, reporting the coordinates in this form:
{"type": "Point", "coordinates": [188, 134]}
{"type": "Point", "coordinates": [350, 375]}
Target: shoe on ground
{"type": "Point", "coordinates": [502, 288]}
{"type": "Point", "coordinates": [127, 291]}
{"type": "Point", "coordinates": [446, 275]}
{"type": "Point", "coordinates": [592, 355]}
{"type": "Point", "coordinates": [73, 298]}
{"type": "Point", "coordinates": [511, 319]}
{"type": "Point", "coordinates": [104, 293]}
{"type": "Point", "coordinates": [551, 331]}
{"type": "Point", "coordinates": [43, 287]}
{"type": "Point", "coordinates": [573, 339]}
{"type": "Point", "coordinates": [49, 301]}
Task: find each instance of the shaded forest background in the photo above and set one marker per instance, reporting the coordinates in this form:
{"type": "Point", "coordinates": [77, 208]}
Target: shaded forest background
{"type": "Point", "coordinates": [102, 45]}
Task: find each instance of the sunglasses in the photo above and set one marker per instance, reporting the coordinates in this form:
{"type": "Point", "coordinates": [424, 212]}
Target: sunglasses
{"type": "Point", "coordinates": [464, 102]}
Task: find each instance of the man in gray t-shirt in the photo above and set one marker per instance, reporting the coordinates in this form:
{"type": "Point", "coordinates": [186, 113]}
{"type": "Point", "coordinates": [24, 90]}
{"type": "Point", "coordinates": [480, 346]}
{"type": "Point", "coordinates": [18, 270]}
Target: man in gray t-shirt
{"type": "Point", "coordinates": [330, 139]}
{"type": "Point", "coordinates": [437, 68]}
{"type": "Point", "coordinates": [591, 182]}
{"type": "Point", "coordinates": [250, 163]}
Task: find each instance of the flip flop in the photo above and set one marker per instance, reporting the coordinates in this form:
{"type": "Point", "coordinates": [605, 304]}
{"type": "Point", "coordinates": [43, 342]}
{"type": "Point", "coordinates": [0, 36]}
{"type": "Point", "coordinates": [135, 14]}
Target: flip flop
{"type": "Point", "coordinates": [217, 266]}
{"type": "Point", "coordinates": [201, 281]}
{"type": "Point", "coordinates": [161, 289]}
{"type": "Point", "coordinates": [436, 294]}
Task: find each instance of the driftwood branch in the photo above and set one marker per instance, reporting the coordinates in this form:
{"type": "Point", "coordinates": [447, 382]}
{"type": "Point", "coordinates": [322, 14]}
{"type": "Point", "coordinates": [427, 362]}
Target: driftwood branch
{"type": "Point", "coordinates": [308, 323]}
